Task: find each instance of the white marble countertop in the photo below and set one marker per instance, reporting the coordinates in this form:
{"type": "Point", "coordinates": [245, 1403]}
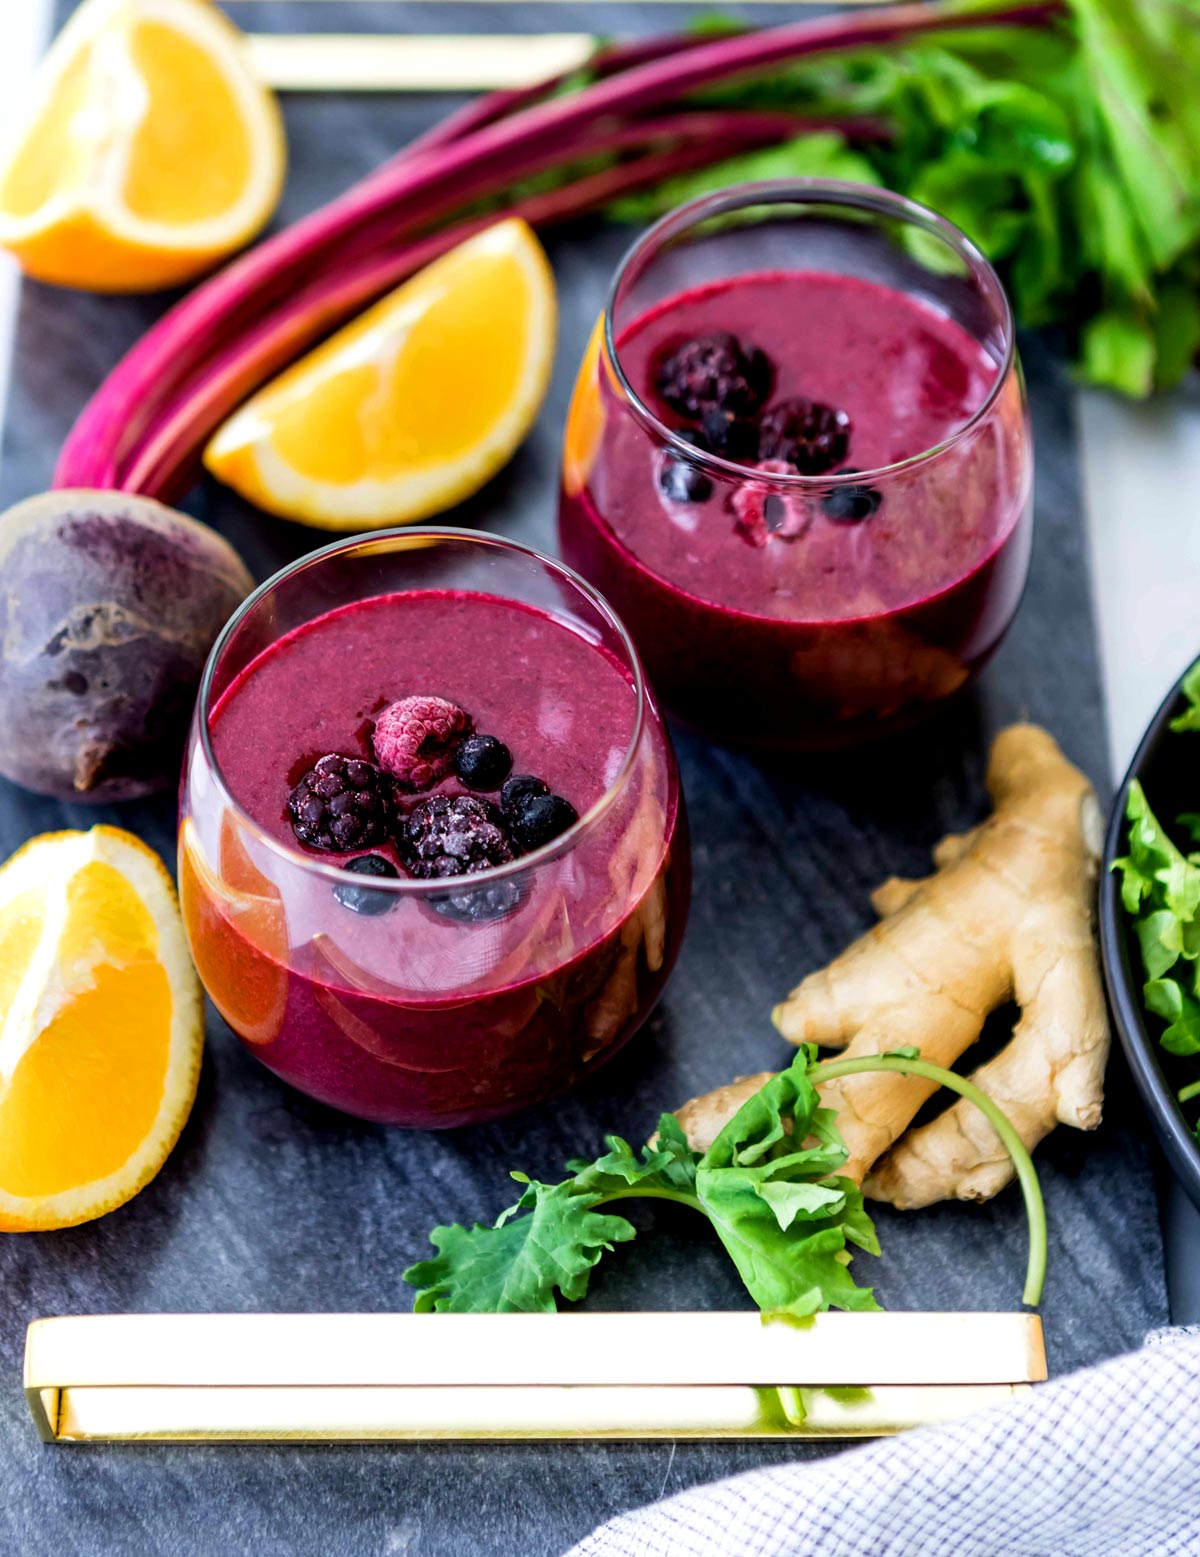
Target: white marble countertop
{"type": "Point", "coordinates": [1141, 471]}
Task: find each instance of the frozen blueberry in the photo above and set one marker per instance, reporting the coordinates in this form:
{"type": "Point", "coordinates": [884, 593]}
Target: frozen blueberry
{"type": "Point", "coordinates": [541, 818]}
{"type": "Point", "coordinates": [811, 436]}
{"type": "Point", "coordinates": [853, 504]}
{"type": "Point", "coordinates": [732, 437]}
{"type": "Point", "coordinates": [363, 899]}
{"type": "Point", "coordinates": [680, 481]}
{"type": "Point", "coordinates": [478, 905]}
{"type": "Point", "coordinates": [483, 762]}
{"type": "Point", "coordinates": [714, 372]}
{"type": "Point", "coordinates": [341, 803]}
{"type": "Point", "coordinates": [518, 789]}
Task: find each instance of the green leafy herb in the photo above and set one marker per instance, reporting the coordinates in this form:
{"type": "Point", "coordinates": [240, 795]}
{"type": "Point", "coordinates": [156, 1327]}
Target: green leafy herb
{"type": "Point", "coordinates": [1160, 891]}
{"type": "Point", "coordinates": [1069, 152]}
{"type": "Point", "coordinates": [769, 1185]}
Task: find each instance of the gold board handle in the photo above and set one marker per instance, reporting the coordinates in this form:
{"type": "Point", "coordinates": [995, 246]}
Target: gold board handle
{"type": "Point", "coordinates": [329, 1377]}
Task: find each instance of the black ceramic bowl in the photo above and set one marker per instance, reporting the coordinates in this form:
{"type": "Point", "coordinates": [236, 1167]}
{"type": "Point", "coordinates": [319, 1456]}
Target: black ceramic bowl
{"type": "Point", "coordinates": [1168, 766]}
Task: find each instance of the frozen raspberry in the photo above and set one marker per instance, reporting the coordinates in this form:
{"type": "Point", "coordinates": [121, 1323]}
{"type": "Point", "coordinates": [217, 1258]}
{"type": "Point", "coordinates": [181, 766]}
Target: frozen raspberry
{"type": "Point", "coordinates": [453, 835]}
{"type": "Point", "coordinates": [714, 373]}
{"type": "Point", "coordinates": [811, 436]}
{"type": "Point", "coordinates": [764, 514]}
{"type": "Point", "coordinates": [415, 739]}
{"type": "Point", "coordinates": [342, 803]}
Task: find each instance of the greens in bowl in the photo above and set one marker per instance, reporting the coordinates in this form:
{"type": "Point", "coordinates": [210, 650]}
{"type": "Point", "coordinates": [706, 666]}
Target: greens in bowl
{"type": "Point", "coordinates": [1150, 924]}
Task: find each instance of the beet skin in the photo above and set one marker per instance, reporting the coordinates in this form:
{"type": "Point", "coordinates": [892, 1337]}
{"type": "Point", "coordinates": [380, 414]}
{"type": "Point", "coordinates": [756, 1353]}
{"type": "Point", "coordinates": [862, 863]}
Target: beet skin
{"type": "Point", "coordinates": [109, 604]}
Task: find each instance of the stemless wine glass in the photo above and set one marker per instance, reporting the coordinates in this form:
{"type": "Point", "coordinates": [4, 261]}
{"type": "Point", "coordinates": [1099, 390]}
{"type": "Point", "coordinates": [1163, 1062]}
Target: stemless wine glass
{"type": "Point", "coordinates": [414, 1013]}
{"type": "Point", "coordinates": [803, 601]}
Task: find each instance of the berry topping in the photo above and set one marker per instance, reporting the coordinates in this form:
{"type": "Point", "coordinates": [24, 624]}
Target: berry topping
{"type": "Point", "coordinates": [342, 803]}
{"type": "Point", "coordinates": [483, 762]}
{"type": "Point", "coordinates": [478, 905]}
{"type": "Point", "coordinates": [714, 372]}
{"type": "Point", "coordinates": [730, 437]}
{"type": "Point", "coordinates": [415, 739]}
{"type": "Point", "coordinates": [453, 835]}
{"type": "Point", "coordinates": [540, 818]}
{"type": "Point", "coordinates": [764, 515]}
{"type": "Point", "coordinates": [364, 900]}
{"type": "Point", "coordinates": [518, 789]}
{"type": "Point", "coordinates": [851, 505]}
{"type": "Point", "coordinates": [679, 481]}
{"type": "Point", "coordinates": [811, 436]}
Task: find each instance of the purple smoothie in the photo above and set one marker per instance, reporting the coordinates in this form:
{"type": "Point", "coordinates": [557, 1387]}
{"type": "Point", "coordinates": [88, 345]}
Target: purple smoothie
{"type": "Point", "coordinates": [764, 617]}
{"type": "Point", "coordinates": [407, 1015]}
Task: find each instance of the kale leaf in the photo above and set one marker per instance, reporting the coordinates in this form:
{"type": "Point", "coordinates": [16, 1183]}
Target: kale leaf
{"type": "Point", "coordinates": [768, 1185]}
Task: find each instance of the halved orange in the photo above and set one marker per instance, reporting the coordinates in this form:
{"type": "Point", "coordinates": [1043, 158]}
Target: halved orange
{"type": "Point", "coordinates": [148, 151]}
{"type": "Point", "coordinates": [101, 1026]}
{"type": "Point", "coordinates": [415, 405]}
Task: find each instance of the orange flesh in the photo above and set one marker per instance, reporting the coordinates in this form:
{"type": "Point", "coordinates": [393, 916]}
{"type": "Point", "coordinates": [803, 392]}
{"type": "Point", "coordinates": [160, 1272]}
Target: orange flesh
{"type": "Point", "coordinates": [46, 162]}
{"type": "Point", "coordinates": [414, 411]}
{"type": "Point", "coordinates": [88, 1089]}
{"type": "Point", "coordinates": [238, 943]}
{"type": "Point", "coordinates": [209, 141]}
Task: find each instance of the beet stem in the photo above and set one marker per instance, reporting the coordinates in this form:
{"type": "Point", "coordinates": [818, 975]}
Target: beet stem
{"type": "Point", "coordinates": [108, 434]}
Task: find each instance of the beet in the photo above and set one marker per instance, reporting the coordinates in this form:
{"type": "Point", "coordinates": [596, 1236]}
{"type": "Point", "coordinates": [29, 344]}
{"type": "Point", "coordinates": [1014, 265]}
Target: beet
{"type": "Point", "coordinates": [109, 605]}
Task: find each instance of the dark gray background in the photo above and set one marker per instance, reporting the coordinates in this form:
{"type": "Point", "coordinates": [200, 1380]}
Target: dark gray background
{"type": "Point", "coordinates": [271, 1202]}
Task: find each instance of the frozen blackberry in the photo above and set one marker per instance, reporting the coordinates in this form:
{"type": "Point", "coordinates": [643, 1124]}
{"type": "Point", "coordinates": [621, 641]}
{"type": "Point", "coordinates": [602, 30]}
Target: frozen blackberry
{"type": "Point", "coordinates": [363, 899]}
{"type": "Point", "coordinates": [811, 436]}
{"type": "Point", "coordinates": [853, 504]}
{"type": "Point", "coordinates": [541, 818]}
{"type": "Point", "coordinates": [453, 835]}
{"type": "Point", "coordinates": [518, 789]}
{"type": "Point", "coordinates": [732, 437]}
{"type": "Point", "coordinates": [416, 739]}
{"type": "Point", "coordinates": [478, 905]}
{"type": "Point", "coordinates": [342, 803]}
{"type": "Point", "coordinates": [714, 372]}
{"type": "Point", "coordinates": [483, 762]}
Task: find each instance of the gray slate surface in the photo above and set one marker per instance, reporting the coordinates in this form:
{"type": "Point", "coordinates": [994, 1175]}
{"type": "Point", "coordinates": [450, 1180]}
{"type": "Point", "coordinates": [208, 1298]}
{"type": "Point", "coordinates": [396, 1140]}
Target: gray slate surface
{"type": "Point", "coordinates": [271, 1202]}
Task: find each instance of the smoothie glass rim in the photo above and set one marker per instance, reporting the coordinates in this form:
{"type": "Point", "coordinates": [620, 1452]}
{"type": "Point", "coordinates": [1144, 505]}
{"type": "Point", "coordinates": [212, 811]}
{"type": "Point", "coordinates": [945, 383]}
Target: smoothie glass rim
{"type": "Point", "coordinates": [811, 192]}
{"type": "Point", "coordinates": [403, 885]}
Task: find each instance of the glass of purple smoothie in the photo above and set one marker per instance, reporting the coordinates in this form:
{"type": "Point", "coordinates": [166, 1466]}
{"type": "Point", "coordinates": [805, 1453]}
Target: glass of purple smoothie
{"type": "Point", "coordinates": [799, 462]}
{"type": "Point", "coordinates": [433, 855]}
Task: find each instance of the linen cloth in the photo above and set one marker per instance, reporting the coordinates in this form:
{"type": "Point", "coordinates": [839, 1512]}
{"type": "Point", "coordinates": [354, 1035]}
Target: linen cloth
{"type": "Point", "coordinates": [1101, 1463]}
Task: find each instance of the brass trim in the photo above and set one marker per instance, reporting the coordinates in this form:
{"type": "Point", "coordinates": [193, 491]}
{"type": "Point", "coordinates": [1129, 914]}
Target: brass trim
{"type": "Point", "coordinates": [388, 62]}
{"type": "Point", "coordinates": [330, 1377]}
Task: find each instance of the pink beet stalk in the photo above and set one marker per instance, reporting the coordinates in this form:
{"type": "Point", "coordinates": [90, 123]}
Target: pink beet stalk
{"type": "Point", "coordinates": [440, 174]}
{"type": "Point", "coordinates": [165, 460]}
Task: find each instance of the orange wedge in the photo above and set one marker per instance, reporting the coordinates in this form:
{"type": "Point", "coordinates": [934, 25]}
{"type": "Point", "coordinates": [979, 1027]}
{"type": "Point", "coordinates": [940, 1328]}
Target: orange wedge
{"type": "Point", "coordinates": [585, 417]}
{"type": "Point", "coordinates": [101, 1026]}
{"type": "Point", "coordinates": [148, 150]}
{"type": "Point", "coordinates": [415, 405]}
{"type": "Point", "coordinates": [237, 932]}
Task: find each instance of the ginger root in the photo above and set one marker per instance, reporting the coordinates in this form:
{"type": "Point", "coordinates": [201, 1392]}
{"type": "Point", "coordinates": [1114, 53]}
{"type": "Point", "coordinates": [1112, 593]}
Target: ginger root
{"type": "Point", "coordinates": [1006, 915]}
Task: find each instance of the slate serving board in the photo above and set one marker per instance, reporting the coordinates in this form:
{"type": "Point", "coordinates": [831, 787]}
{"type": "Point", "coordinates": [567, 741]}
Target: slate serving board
{"type": "Point", "coordinates": [271, 1202]}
